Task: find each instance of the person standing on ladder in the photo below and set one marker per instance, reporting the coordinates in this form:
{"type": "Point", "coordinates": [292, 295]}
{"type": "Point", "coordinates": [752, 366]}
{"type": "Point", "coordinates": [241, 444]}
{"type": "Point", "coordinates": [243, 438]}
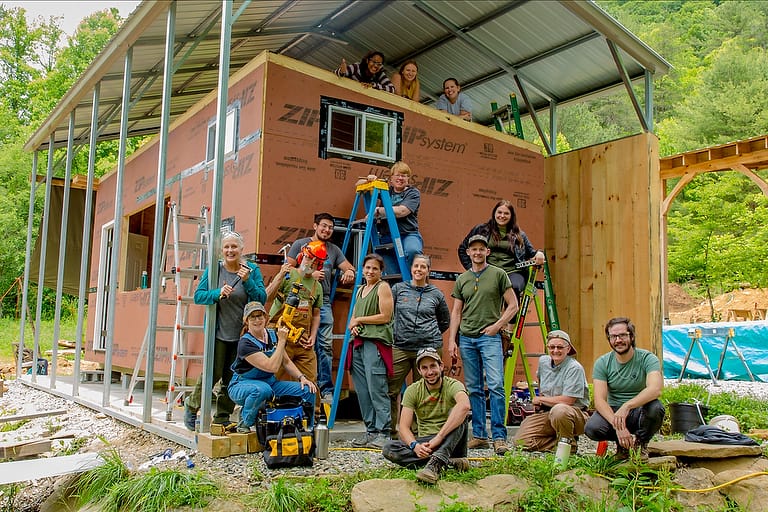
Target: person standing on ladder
{"type": "Point", "coordinates": [509, 245]}
{"type": "Point", "coordinates": [323, 226]}
{"type": "Point", "coordinates": [306, 315]}
{"type": "Point", "coordinates": [405, 203]}
{"type": "Point", "coordinates": [476, 318]}
{"type": "Point", "coordinates": [240, 282]}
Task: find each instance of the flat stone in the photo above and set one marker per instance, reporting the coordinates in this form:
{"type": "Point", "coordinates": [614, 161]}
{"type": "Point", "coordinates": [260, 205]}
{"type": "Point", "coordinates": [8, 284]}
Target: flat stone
{"type": "Point", "coordinates": [750, 494]}
{"type": "Point", "coordinates": [396, 495]}
{"type": "Point", "coordinates": [751, 464]}
{"type": "Point", "coordinates": [699, 478]}
{"type": "Point", "coordinates": [680, 448]}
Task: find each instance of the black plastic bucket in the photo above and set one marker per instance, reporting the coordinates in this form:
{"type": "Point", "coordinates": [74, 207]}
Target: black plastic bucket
{"type": "Point", "coordinates": [684, 417]}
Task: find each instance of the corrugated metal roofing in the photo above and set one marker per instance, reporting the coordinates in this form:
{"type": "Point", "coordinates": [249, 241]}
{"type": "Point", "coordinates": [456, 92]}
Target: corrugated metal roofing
{"type": "Point", "coordinates": [558, 50]}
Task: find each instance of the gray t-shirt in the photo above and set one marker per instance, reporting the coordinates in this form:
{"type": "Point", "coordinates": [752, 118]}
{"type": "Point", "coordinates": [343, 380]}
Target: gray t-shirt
{"type": "Point", "coordinates": [335, 260]}
{"type": "Point", "coordinates": [566, 379]}
{"type": "Point", "coordinates": [229, 311]}
{"type": "Point", "coordinates": [462, 103]}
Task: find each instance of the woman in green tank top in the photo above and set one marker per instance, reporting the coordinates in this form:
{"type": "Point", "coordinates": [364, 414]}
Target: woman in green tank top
{"type": "Point", "coordinates": [371, 326]}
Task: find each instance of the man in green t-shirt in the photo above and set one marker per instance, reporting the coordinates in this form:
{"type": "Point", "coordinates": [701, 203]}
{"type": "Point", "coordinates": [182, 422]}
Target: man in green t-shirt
{"type": "Point", "coordinates": [440, 405]}
{"type": "Point", "coordinates": [627, 384]}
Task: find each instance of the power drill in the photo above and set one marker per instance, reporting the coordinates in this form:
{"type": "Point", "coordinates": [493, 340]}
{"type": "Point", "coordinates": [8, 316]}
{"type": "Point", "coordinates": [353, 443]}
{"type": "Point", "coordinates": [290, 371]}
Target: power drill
{"type": "Point", "coordinates": [289, 312]}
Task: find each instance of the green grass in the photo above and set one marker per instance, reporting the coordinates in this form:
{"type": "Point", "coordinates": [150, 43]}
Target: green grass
{"type": "Point", "coordinates": [749, 411]}
{"type": "Point", "coordinates": [10, 329]}
{"type": "Point", "coordinates": [112, 487]}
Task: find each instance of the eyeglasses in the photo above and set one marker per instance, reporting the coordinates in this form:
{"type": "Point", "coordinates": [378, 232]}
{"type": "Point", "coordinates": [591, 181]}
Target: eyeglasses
{"type": "Point", "coordinates": [376, 63]}
{"type": "Point", "coordinates": [620, 336]}
{"type": "Point", "coordinates": [556, 347]}
{"type": "Point", "coordinates": [325, 226]}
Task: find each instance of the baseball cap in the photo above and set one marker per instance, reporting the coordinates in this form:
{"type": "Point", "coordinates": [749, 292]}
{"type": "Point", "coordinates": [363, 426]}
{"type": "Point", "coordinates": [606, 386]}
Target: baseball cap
{"type": "Point", "coordinates": [557, 333]}
{"type": "Point", "coordinates": [428, 352]}
{"type": "Point", "coordinates": [478, 238]}
{"type": "Point", "coordinates": [252, 307]}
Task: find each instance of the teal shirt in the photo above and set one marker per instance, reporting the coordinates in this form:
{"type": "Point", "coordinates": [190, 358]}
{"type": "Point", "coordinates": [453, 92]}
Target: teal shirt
{"type": "Point", "coordinates": [625, 381]}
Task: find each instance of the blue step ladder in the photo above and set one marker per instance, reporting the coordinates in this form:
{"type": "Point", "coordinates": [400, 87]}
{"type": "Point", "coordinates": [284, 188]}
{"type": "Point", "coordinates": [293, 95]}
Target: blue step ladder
{"type": "Point", "coordinates": [368, 195]}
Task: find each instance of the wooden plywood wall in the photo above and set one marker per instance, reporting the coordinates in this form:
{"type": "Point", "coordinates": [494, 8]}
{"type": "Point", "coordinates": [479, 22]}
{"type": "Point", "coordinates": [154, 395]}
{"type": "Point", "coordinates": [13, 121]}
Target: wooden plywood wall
{"type": "Point", "coordinates": [602, 241]}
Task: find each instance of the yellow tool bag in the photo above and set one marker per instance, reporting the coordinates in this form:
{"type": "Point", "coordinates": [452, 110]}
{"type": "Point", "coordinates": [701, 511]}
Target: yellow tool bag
{"type": "Point", "coordinates": [292, 446]}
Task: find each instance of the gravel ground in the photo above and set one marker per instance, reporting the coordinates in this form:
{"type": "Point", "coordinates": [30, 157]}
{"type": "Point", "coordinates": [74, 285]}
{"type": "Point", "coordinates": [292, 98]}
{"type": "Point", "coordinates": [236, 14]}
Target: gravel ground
{"type": "Point", "coordinates": [237, 473]}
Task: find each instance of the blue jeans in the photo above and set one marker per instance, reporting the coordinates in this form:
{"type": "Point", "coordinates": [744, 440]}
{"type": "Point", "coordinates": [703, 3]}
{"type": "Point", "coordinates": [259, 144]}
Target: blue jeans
{"type": "Point", "coordinates": [483, 355]}
{"type": "Point", "coordinates": [413, 244]}
{"type": "Point", "coordinates": [324, 350]}
{"type": "Point", "coordinates": [252, 393]}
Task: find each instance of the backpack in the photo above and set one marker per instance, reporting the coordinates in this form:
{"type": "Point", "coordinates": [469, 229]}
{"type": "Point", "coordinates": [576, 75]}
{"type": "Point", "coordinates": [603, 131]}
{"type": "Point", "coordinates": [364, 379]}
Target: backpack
{"type": "Point", "coordinates": [276, 411]}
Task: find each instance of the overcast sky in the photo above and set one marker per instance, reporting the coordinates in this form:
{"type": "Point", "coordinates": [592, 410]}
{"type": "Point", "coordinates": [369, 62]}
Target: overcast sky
{"type": "Point", "coordinates": [72, 12]}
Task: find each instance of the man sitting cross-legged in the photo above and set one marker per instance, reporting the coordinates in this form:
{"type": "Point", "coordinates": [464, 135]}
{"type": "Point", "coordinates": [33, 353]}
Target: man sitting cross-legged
{"type": "Point", "coordinates": [440, 405]}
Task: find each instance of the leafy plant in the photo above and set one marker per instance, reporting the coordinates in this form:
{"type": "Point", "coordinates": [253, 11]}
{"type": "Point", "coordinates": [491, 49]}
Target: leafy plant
{"type": "Point", "coordinates": [12, 425]}
{"type": "Point", "coordinates": [8, 495]}
{"type": "Point", "coordinates": [751, 412]}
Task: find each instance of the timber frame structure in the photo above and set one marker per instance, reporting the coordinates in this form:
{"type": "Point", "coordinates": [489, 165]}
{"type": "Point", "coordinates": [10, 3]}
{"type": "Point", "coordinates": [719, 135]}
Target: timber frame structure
{"type": "Point", "coordinates": [743, 156]}
{"type": "Point", "coordinates": [600, 207]}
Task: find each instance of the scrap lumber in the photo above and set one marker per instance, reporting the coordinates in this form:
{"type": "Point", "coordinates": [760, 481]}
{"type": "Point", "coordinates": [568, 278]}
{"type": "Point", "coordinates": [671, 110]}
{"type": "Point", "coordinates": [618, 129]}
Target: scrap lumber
{"type": "Point", "coordinates": [41, 414]}
{"type": "Point", "coordinates": [19, 449]}
{"type": "Point", "coordinates": [23, 470]}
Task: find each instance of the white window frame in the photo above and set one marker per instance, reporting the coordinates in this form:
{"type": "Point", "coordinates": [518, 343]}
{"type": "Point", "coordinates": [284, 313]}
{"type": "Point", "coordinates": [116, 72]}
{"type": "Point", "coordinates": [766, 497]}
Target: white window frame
{"type": "Point", "coordinates": [231, 134]}
{"type": "Point", "coordinates": [389, 142]}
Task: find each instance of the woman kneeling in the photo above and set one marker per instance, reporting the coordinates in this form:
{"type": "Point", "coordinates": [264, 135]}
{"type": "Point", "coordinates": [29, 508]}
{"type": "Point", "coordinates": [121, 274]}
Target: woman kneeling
{"type": "Point", "coordinates": [260, 354]}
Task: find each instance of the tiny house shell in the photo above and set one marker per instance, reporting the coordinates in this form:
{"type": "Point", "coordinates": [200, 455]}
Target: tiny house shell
{"type": "Point", "coordinates": [275, 181]}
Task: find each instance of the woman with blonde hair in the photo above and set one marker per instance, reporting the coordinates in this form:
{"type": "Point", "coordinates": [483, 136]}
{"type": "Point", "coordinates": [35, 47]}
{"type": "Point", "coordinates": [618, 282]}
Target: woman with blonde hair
{"type": "Point", "coordinates": [406, 82]}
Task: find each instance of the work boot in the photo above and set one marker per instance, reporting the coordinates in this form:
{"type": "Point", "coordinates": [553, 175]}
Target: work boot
{"type": "Point", "coordinates": [378, 442]}
{"type": "Point", "coordinates": [478, 443]}
{"type": "Point", "coordinates": [362, 442]}
{"type": "Point", "coordinates": [226, 425]}
{"type": "Point", "coordinates": [621, 452]}
{"type": "Point", "coordinates": [575, 445]}
{"type": "Point", "coordinates": [431, 472]}
{"type": "Point", "coordinates": [641, 450]}
{"type": "Point", "coordinates": [242, 428]}
{"type": "Point", "coordinates": [500, 447]}
{"type": "Point", "coordinates": [460, 464]}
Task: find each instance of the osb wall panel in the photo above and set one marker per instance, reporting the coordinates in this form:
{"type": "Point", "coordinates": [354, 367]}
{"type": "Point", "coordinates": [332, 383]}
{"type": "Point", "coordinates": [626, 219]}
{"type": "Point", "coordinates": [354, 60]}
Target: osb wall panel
{"type": "Point", "coordinates": [602, 240]}
{"type": "Point", "coordinates": [189, 182]}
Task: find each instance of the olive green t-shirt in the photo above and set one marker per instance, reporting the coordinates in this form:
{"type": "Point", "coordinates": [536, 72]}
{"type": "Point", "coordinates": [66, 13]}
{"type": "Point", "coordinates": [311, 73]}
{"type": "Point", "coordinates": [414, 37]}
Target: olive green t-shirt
{"type": "Point", "coordinates": [432, 407]}
{"type": "Point", "coordinates": [483, 296]}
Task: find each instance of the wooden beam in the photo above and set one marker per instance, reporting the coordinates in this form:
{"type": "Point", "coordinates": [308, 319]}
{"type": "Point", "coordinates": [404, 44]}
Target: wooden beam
{"type": "Point", "coordinates": [24, 448]}
{"type": "Point", "coordinates": [23, 470]}
{"type": "Point", "coordinates": [41, 414]}
{"type": "Point", "coordinates": [756, 159]}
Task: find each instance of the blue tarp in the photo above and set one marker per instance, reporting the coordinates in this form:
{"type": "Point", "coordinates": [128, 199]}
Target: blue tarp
{"type": "Point", "coordinates": [750, 337]}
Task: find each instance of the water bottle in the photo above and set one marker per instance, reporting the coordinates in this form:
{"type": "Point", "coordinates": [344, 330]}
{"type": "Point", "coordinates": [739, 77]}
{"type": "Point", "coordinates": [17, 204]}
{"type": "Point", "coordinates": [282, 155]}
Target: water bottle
{"type": "Point", "coordinates": [322, 435]}
{"type": "Point", "coordinates": [563, 452]}
{"type": "Point", "coordinates": [144, 280]}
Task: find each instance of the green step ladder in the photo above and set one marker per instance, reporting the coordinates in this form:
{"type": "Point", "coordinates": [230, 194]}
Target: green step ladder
{"type": "Point", "coordinates": [509, 113]}
{"type": "Point", "coordinates": [516, 349]}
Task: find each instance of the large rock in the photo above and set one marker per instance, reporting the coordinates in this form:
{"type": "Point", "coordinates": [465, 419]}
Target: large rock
{"type": "Point", "coordinates": [398, 495]}
{"type": "Point", "coordinates": [751, 464]}
{"type": "Point", "coordinates": [750, 494]}
{"type": "Point", "coordinates": [595, 488]}
{"type": "Point", "coordinates": [700, 478]}
{"type": "Point", "coordinates": [681, 448]}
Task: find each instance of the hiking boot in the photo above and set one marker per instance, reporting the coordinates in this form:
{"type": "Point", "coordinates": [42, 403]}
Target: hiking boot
{"type": "Point", "coordinates": [478, 443]}
{"type": "Point", "coordinates": [431, 472]}
{"type": "Point", "coordinates": [190, 417]}
{"type": "Point", "coordinates": [621, 452]}
{"type": "Point", "coordinates": [227, 426]}
{"type": "Point", "coordinates": [642, 452]}
{"type": "Point", "coordinates": [460, 464]}
{"type": "Point", "coordinates": [362, 442]}
{"type": "Point", "coordinates": [241, 428]}
{"type": "Point", "coordinates": [575, 445]}
{"type": "Point", "coordinates": [500, 447]}
{"type": "Point", "coordinates": [378, 441]}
